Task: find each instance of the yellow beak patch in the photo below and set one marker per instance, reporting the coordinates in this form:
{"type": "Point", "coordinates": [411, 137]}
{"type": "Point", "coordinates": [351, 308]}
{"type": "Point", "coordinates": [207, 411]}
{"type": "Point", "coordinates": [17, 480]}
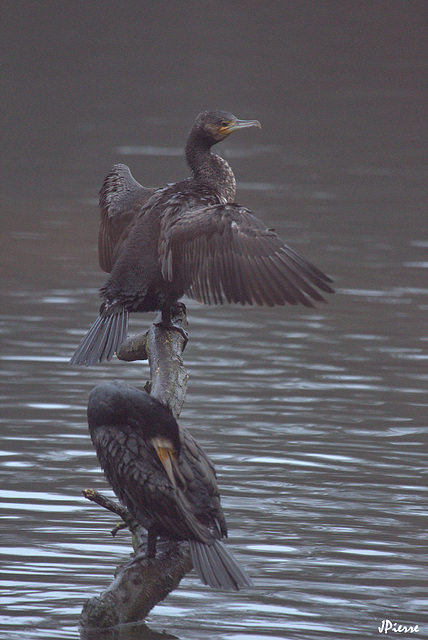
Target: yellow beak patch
{"type": "Point", "coordinates": [166, 454]}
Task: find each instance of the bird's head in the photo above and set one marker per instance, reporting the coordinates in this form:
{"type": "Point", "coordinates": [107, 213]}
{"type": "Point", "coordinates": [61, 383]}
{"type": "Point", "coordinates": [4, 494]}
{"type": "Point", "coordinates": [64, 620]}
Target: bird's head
{"type": "Point", "coordinates": [215, 126]}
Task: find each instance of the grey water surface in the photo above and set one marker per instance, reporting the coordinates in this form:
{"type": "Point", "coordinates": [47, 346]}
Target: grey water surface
{"type": "Point", "coordinates": [316, 419]}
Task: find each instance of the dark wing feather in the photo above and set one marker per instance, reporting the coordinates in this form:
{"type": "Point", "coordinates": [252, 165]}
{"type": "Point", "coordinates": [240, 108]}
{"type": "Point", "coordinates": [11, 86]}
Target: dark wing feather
{"type": "Point", "coordinates": [224, 253]}
{"type": "Point", "coordinates": [142, 485]}
{"type": "Point", "coordinates": [200, 488]}
{"type": "Point", "coordinates": [121, 198]}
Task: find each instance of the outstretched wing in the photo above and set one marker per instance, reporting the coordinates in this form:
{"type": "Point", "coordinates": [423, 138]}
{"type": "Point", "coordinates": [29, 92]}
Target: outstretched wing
{"type": "Point", "coordinates": [224, 253]}
{"type": "Point", "coordinates": [121, 198]}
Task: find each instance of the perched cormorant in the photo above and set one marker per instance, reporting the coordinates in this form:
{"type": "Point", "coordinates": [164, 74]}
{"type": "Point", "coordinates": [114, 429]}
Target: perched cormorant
{"type": "Point", "coordinates": [189, 238]}
{"type": "Point", "coordinates": [164, 478]}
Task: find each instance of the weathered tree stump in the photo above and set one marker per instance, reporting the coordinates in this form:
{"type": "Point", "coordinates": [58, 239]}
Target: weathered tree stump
{"type": "Point", "coordinates": [140, 584]}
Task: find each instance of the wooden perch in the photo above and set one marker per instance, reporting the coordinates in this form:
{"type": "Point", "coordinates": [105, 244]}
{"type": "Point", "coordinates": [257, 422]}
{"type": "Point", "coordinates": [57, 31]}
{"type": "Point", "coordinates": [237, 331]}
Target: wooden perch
{"type": "Point", "coordinates": [140, 584]}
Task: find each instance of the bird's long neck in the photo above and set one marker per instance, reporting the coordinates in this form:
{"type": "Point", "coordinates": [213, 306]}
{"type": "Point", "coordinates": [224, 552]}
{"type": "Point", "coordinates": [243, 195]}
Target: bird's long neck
{"type": "Point", "coordinates": [209, 169]}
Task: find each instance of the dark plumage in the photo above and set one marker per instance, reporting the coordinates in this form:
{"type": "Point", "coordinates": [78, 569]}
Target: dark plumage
{"type": "Point", "coordinates": [189, 238]}
{"type": "Point", "coordinates": [162, 475]}
{"type": "Point", "coordinates": [121, 199]}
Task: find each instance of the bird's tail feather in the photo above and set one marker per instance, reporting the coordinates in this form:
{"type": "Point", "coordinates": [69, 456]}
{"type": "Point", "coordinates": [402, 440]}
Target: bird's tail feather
{"type": "Point", "coordinates": [217, 567]}
{"type": "Point", "coordinates": [103, 339]}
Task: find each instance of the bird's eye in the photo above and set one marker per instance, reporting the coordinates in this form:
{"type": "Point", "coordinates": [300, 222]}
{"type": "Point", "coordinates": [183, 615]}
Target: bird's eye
{"type": "Point", "coordinates": [224, 124]}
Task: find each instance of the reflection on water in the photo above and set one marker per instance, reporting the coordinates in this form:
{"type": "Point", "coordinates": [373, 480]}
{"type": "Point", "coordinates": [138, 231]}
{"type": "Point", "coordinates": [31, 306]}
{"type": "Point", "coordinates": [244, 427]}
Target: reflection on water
{"type": "Point", "coordinates": [316, 419]}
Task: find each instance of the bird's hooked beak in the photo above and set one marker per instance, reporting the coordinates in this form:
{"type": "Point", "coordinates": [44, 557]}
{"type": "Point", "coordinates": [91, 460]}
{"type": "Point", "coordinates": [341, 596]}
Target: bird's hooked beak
{"type": "Point", "coordinates": [168, 457]}
{"type": "Point", "coordinates": [243, 124]}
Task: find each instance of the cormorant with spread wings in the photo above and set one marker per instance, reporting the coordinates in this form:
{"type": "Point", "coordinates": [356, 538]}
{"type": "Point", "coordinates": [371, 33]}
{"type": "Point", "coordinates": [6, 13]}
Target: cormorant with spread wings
{"type": "Point", "coordinates": [191, 238]}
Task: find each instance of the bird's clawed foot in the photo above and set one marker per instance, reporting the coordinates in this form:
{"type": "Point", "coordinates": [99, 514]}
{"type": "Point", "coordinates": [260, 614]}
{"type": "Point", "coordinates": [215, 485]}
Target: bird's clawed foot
{"type": "Point", "coordinates": [172, 317]}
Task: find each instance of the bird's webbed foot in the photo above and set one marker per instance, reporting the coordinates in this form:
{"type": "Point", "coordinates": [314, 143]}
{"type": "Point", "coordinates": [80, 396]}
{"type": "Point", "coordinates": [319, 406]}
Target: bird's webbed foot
{"type": "Point", "coordinates": [147, 549]}
{"type": "Point", "coordinates": [171, 316]}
